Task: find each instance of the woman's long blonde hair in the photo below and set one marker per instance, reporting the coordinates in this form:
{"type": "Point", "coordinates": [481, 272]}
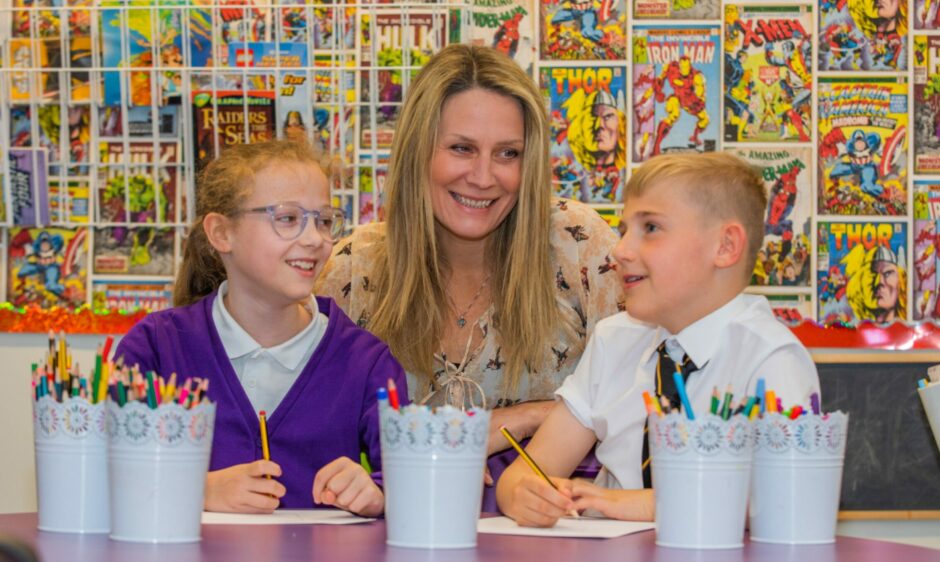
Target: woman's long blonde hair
{"type": "Point", "coordinates": [410, 303]}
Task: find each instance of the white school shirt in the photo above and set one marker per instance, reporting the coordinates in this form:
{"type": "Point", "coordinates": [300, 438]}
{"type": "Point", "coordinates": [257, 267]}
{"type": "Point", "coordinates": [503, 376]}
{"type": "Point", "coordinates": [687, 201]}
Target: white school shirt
{"type": "Point", "coordinates": [266, 374]}
{"type": "Point", "coordinates": [736, 344]}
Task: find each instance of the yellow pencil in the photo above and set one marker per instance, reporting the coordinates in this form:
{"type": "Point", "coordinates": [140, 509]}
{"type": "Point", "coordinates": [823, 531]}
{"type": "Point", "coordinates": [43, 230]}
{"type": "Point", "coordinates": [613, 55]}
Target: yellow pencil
{"type": "Point", "coordinates": [265, 452]}
{"type": "Point", "coordinates": [528, 460]}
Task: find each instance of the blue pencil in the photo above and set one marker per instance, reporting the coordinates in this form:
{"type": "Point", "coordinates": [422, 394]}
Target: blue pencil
{"type": "Point", "coordinates": [680, 386]}
{"type": "Point", "coordinates": [760, 395]}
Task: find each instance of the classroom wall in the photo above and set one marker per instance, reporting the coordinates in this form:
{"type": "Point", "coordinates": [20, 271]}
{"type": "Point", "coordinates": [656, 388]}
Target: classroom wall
{"type": "Point", "coordinates": [17, 352]}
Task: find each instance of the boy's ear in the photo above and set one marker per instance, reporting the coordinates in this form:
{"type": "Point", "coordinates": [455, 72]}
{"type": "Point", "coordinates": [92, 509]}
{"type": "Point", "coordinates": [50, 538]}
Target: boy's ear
{"type": "Point", "coordinates": [218, 231]}
{"type": "Point", "coordinates": [732, 244]}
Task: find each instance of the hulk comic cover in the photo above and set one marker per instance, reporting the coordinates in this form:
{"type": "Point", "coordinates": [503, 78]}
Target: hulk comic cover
{"type": "Point", "coordinates": [139, 250]}
{"type": "Point", "coordinates": [47, 267]}
{"type": "Point", "coordinates": [677, 9]}
{"type": "Point", "coordinates": [126, 188]}
{"type": "Point", "coordinates": [926, 104]}
{"type": "Point", "coordinates": [676, 89]}
{"type": "Point", "coordinates": [863, 35]}
{"type": "Point", "coordinates": [587, 131]}
{"type": "Point", "coordinates": [862, 152]}
{"type": "Point", "coordinates": [861, 272]}
{"type": "Point", "coordinates": [768, 78]}
{"type": "Point", "coordinates": [784, 257]}
{"type": "Point", "coordinates": [583, 29]}
{"type": "Point", "coordinates": [926, 281]}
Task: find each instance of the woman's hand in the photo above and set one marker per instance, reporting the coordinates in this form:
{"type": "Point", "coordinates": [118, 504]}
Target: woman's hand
{"type": "Point", "coordinates": [346, 485]}
{"type": "Point", "coordinates": [244, 488]}
{"type": "Point", "coordinates": [627, 505]}
{"type": "Point", "coordinates": [521, 420]}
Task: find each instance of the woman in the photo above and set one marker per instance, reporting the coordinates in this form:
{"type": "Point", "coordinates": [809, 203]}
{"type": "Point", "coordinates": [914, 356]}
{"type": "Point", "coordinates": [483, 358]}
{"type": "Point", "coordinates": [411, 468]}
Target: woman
{"type": "Point", "coordinates": [484, 287]}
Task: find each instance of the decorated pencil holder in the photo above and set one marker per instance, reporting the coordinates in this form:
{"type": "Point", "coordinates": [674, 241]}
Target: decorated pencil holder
{"type": "Point", "coordinates": [158, 460]}
{"type": "Point", "coordinates": [71, 465]}
{"type": "Point", "coordinates": [930, 396]}
{"type": "Point", "coordinates": [433, 464]}
{"type": "Point", "coordinates": [701, 470]}
{"type": "Point", "coordinates": [797, 477]}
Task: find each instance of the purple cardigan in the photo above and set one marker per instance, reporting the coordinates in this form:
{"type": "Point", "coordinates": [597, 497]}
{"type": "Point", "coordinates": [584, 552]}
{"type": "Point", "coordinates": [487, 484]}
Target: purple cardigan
{"type": "Point", "coordinates": [329, 412]}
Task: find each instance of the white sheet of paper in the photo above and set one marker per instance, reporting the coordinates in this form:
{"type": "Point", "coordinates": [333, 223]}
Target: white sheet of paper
{"type": "Point", "coordinates": [285, 517]}
{"type": "Point", "coordinates": [584, 527]}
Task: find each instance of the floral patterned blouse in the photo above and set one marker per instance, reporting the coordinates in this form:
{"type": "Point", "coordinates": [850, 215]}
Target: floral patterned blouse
{"type": "Point", "coordinates": [585, 280]}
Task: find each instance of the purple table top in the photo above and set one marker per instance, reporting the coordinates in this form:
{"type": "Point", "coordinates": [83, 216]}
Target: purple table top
{"type": "Point", "coordinates": [366, 542]}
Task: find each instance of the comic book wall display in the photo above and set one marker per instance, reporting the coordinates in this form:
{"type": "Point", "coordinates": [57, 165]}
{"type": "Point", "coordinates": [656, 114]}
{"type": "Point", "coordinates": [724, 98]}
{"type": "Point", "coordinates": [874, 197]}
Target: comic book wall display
{"type": "Point", "coordinates": [768, 76]}
{"type": "Point", "coordinates": [863, 35]}
{"type": "Point", "coordinates": [583, 29]}
{"type": "Point", "coordinates": [588, 131]}
{"type": "Point", "coordinates": [676, 90]}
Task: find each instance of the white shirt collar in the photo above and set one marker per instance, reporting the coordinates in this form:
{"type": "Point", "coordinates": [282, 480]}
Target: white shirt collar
{"type": "Point", "coordinates": [701, 338]}
{"type": "Point", "coordinates": [238, 343]}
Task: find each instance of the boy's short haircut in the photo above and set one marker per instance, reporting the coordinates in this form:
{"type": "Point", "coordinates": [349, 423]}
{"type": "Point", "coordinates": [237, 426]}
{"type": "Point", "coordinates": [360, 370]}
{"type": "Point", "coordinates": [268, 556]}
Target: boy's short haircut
{"type": "Point", "coordinates": [721, 185]}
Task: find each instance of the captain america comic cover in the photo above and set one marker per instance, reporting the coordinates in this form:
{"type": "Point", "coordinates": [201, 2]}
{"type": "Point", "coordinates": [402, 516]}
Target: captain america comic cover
{"type": "Point", "coordinates": [768, 79]}
{"type": "Point", "coordinates": [926, 280]}
{"type": "Point", "coordinates": [861, 272]}
{"type": "Point", "coordinates": [862, 156]}
{"type": "Point", "coordinates": [676, 90]}
{"type": "Point", "coordinates": [583, 29]}
{"type": "Point", "coordinates": [863, 35]}
{"type": "Point", "coordinates": [677, 9]}
{"type": "Point", "coordinates": [588, 131]}
{"type": "Point", "coordinates": [784, 258]}
{"type": "Point", "coordinates": [926, 104]}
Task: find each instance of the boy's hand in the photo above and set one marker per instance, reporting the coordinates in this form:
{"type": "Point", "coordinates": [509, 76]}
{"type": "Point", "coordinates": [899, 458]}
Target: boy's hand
{"type": "Point", "coordinates": [627, 505]}
{"type": "Point", "coordinates": [346, 485]}
{"type": "Point", "coordinates": [244, 488]}
{"type": "Point", "coordinates": [536, 504]}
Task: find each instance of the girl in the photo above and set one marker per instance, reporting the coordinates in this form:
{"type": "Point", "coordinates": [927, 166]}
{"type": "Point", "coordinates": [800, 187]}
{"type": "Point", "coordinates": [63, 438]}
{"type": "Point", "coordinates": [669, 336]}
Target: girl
{"type": "Point", "coordinates": [246, 320]}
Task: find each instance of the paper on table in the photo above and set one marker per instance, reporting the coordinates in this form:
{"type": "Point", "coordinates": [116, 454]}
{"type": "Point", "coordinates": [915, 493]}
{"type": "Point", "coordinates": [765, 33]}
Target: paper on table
{"type": "Point", "coordinates": [584, 527]}
{"type": "Point", "coordinates": [285, 517]}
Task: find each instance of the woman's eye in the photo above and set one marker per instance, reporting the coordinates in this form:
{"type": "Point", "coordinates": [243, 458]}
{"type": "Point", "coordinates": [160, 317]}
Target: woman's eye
{"type": "Point", "coordinates": [510, 153]}
{"type": "Point", "coordinates": [460, 148]}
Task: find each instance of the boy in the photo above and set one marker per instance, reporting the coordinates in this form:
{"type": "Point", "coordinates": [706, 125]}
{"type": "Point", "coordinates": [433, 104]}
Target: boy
{"type": "Point", "coordinates": [694, 225]}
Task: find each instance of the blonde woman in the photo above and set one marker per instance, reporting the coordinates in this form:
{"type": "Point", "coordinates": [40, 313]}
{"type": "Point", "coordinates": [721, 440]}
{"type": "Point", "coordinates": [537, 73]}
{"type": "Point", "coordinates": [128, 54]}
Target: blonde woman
{"type": "Point", "coordinates": [483, 286]}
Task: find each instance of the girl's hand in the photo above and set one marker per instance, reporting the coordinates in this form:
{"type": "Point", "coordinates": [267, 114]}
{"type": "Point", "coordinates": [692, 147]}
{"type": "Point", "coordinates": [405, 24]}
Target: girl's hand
{"type": "Point", "coordinates": [244, 488]}
{"type": "Point", "coordinates": [627, 505]}
{"type": "Point", "coordinates": [536, 504]}
{"type": "Point", "coordinates": [346, 485]}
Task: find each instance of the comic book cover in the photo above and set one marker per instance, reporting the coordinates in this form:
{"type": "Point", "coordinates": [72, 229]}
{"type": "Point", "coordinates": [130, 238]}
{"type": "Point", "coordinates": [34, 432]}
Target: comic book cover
{"type": "Point", "coordinates": [784, 257]}
{"type": "Point", "coordinates": [390, 38]}
{"type": "Point", "coordinates": [140, 122]}
{"type": "Point", "coordinates": [768, 62]}
{"type": "Point", "coordinates": [862, 146]}
{"type": "Point", "coordinates": [123, 294]}
{"type": "Point", "coordinates": [677, 9]}
{"type": "Point", "coordinates": [126, 187]}
{"type": "Point", "coordinates": [863, 35]}
{"type": "Point", "coordinates": [926, 104]}
{"type": "Point", "coordinates": [79, 57]}
{"type": "Point", "coordinates": [293, 87]}
{"type": "Point", "coordinates": [583, 29]}
{"type": "Point", "coordinates": [588, 131]}
{"type": "Point", "coordinates": [71, 204]}
{"type": "Point", "coordinates": [37, 23]}
{"type": "Point", "coordinates": [334, 114]}
{"type": "Point", "coordinates": [220, 121]}
{"type": "Point", "coordinates": [334, 29]}
{"type": "Point", "coordinates": [47, 267]}
{"type": "Point", "coordinates": [676, 89]}
{"type": "Point", "coordinates": [346, 202]}
{"type": "Point", "coordinates": [28, 186]}
{"type": "Point", "coordinates": [230, 21]}
{"type": "Point", "coordinates": [26, 85]}
{"type": "Point", "coordinates": [136, 250]}
{"type": "Point", "coordinates": [506, 25]}
{"type": "Point", "coordinates": [78, 131]}
{"type": "Point", "coordinates": [142, 32]}
{"type": "Point", "coordinates": [372, 172]}
{"type": "Point", "coordinates": [926, 281]}
{"type": "Point", "coordinates": [791, 308]}
{"type": "Point", "coordinates": [926, 14]}
{"type": "Point", "coordinates": [861, 272]}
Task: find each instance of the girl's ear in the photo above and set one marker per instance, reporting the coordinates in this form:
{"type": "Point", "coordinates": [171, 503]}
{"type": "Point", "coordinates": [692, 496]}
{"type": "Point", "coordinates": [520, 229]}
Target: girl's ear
{"type": "Point", "coordinates": [218, 230]}
{"type": "Point", "coordinates": [731, 245]}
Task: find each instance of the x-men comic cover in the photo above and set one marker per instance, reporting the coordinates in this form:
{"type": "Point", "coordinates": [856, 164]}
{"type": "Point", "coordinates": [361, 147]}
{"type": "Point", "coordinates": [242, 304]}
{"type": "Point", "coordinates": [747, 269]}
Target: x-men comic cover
{"type": "Point", "coordinates": [676, 89]}
{"type": "Point", "coordinates": [863, 35]}
{"type": "Point", "coordinates": [47, 266]}
{"type": "Point", "coordinates": [583, 29]}
{"type": "Point", "coordinates": [768, 78]}
{"type": "Point", "coordinates": [677, 9]}
{"type": "Point", "coordinates": [861, 272]}
{"type": "Point", "coordinates": [588, 131]}
{"type": "Point", "coordinates": [926, 280]}
{"type": "Point", "coordinates": [863, 148]}
{"type": "Point", "coordinates": [784, 257]}
{"type": "Point", "coordinates": [926, 104]}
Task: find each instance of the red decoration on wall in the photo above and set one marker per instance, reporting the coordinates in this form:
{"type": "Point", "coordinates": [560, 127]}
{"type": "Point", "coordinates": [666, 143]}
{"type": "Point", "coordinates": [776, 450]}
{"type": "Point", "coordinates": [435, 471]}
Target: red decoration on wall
{"type": "Point", "coordinates": [82, 320]}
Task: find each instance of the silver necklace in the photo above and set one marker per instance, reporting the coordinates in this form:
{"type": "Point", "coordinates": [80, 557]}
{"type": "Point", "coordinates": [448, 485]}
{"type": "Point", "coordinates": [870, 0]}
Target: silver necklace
{"type": "Point", "coordinates": [462, 317]}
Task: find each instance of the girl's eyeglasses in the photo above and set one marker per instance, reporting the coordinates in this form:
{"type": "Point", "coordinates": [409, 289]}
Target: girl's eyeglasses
{"type": "Point", "coordinates": [289, 220]}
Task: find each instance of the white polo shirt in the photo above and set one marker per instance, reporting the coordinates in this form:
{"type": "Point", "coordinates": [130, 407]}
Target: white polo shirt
{"type": "Point", "coordinates": [736, 344]}
{"type": "Point", "coordinates": [266, 374]}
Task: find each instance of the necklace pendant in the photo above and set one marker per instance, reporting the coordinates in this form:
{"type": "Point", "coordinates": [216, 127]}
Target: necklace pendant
{"type": "Point", "coordinates": [461, 322]}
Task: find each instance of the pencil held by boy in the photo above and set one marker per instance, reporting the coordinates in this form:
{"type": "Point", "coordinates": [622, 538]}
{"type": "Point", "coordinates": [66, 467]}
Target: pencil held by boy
{"type": "Point", "coordinates": [246, 320]}
{"type": "Point", "coordinates": [694, 224]}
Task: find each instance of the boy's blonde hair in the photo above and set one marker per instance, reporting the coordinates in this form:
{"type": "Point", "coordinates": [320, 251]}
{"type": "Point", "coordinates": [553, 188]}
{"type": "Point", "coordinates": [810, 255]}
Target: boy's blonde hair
{"type": "Point", "coordinates": [220, 188]}
{"type": "Point", "coordinates": [721, 185]}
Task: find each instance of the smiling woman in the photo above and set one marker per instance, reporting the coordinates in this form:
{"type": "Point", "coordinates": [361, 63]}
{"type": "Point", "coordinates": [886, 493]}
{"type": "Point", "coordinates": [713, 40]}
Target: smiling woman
{"type": "Point", "coordinates": [484, 287]}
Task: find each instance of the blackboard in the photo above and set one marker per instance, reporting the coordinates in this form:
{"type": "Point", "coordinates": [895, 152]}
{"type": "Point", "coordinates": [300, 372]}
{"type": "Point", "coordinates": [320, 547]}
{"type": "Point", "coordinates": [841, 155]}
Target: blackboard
{"type": "Point", "coordinates": [891, 458]}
